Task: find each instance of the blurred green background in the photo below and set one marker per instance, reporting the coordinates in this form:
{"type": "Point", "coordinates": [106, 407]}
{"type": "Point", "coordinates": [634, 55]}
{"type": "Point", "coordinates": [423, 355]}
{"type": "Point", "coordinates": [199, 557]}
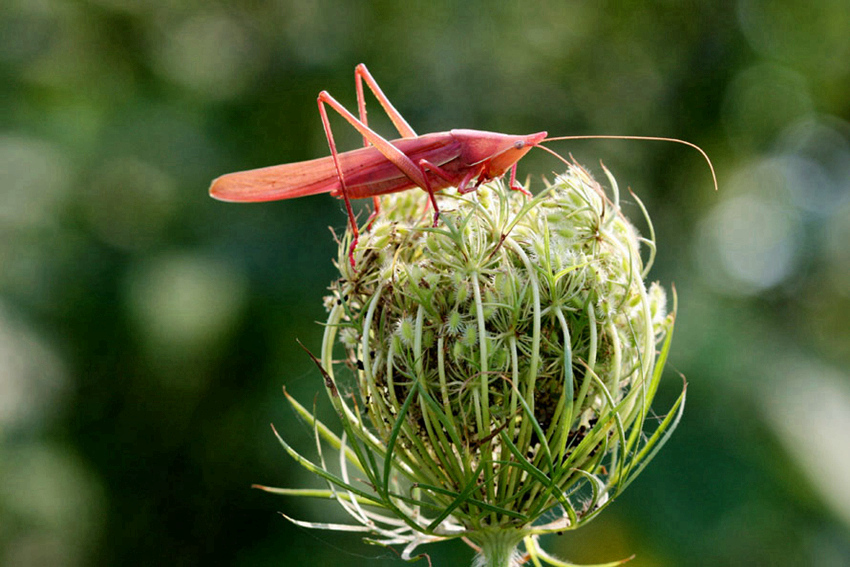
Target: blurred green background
{"type": "Point", "coordinates": [146, 330]}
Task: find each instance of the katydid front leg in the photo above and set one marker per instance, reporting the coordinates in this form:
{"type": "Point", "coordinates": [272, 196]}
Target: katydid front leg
{"type": "Point", "coordinates": [516, 186]}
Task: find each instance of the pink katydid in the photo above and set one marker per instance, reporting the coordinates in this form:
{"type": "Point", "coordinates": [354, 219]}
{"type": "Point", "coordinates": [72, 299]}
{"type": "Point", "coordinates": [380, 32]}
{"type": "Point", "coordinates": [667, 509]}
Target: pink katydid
{"type": "Point", "coordinates": [458, 158]}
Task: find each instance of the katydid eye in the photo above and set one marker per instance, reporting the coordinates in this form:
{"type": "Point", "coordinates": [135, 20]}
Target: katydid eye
{"type": "Point", "coordinates": [519, 144]}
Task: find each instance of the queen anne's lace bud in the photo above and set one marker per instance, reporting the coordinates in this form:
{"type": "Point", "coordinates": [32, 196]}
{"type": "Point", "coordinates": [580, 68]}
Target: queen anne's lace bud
{"type": "Point", "coordinates": [505, 361]}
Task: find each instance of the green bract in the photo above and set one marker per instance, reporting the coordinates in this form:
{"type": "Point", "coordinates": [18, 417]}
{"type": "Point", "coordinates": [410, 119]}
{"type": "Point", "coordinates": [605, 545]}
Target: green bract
{"type": "Point", "coordinates": [502, 366]}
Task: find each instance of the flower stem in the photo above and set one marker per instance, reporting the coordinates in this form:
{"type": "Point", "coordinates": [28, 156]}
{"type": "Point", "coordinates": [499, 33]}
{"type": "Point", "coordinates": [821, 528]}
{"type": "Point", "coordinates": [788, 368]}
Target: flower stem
{"type": "Point", "coordinates": [498, 548]}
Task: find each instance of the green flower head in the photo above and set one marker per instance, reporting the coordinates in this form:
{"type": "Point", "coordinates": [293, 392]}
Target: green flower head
{"type": "Point", "coordinates": [502, 366]}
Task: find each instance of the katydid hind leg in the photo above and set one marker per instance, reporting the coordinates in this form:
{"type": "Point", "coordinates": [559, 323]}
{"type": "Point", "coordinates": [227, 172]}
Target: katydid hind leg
{"type": "Point", "coordinates": [394, 155]}
{"type": "Point", "coordinates": [361, 106]}
{"type": "Point", "coordinates": [361, 74]}
{"type": "Point", "coordinates": [389, 151]}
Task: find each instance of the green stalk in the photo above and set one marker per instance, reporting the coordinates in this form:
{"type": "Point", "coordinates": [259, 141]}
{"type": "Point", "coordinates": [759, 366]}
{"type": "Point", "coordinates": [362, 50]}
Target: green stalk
{"type": "Point", "coordinates": [498, 547]}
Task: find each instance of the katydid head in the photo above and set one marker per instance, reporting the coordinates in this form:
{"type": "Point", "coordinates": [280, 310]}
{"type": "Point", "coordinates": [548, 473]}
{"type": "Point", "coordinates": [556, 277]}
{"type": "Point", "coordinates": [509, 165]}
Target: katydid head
{"type": "Point", "coordinates": [498, 151]}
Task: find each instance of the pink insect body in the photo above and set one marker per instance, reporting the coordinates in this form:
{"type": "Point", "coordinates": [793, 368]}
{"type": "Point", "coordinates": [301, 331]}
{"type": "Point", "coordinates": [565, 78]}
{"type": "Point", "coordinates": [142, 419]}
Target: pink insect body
{"type": "Point", "coordinates": [460, 155]}
{"type": "Point", "coordinates": [431, 162]}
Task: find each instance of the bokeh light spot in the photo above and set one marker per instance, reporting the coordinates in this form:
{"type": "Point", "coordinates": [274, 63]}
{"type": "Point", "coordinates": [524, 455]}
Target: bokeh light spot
{"type": "Point", "coordinates": [750, 241]}
{"type": "Point", "coordinates": [183, 304]}
{"type": "Point", "coordinates": [838, 250]}
{"type": "Point", "coordinates": [129, 203]}
{"type": "Point", "coordinates": [209, 53]}
{"type": "Point", "coordinates": [760, 102]}
{"type": "Point", "coordinates": [821, 175]}
{"type": "Point", "coordinates": [34, 178]}
{"type": "Point", "coordinates": [811, 35]}
{"type": "Point", "coordinates": [32, 377]}
{"type": "Point", "coordinates": [808, 405]}
{"type": "Point", "coordinates": [56, 504]}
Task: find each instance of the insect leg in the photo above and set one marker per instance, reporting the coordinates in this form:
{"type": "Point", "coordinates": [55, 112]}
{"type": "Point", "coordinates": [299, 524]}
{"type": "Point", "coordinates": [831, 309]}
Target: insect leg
{"type": "Point", "coordinates": [452, 180]}
{"type": "Point", "coordinates": [424, 163]}
{"type": "Point", "coordinates": [329, 135]}
{"type": "Point", "coordinates": [389, 151]}
{"type": "Point", "coordinates": [516, 186]}
{"type": "Point", "coordinates": [462, 188]}
{"type": "Point", "coordinates": [361, 105]}
{"type": "Point", "coordinates": [361, 73]}
{"type": "Point", "coordinates": [392, 153]}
